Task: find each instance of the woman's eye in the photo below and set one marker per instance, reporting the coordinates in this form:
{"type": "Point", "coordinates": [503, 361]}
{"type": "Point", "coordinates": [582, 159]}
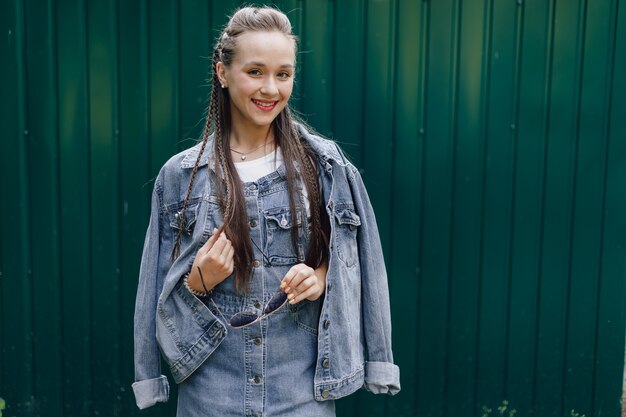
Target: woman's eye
{"type": "Point", "coordinates": [254, 72]}
{"type": "Point", "coordinates": [284, 75]}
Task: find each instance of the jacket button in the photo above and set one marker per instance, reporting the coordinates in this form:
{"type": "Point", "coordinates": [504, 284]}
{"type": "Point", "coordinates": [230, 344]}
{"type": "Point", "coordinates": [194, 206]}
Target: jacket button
{"type": "Point", "coordinates": [325, 394]}
{"type": "Point", "coordinates": [253, 223]}
{"type": "Point", "coordinates": [326, 324]}
{"type": "Point", "coordinates": [257, 305]}
{"type": "Point", "coordinates": [257, 379]}
{"type": "Point", "coordinates": [257, 340]}
{"type": "Point", "coordinates": [256, 263]}
{"type": "Point", "coordinates": [326, 363]}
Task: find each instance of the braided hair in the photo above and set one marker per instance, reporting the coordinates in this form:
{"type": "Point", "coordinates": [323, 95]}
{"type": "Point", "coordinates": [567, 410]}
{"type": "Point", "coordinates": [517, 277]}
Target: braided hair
{"type": "Point", "coordinates": [296, 153]}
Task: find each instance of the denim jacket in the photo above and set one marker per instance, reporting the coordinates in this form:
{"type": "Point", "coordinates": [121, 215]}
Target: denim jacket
{"type": "Point", "coordinates": [354, 324]}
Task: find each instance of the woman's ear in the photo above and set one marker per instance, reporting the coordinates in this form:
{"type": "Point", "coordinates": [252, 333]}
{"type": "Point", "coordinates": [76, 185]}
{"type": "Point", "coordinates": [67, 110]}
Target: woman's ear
{"type": "Point", "coordinates": [220, 70]}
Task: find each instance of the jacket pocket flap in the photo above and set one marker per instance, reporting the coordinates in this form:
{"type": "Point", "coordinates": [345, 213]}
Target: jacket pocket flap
{"type": "Point", "coordinates": [280, 216]}
{"type": "Point", "coordinates": [190, 218]}
{"type": "Point", "coordinates": [347, 216]}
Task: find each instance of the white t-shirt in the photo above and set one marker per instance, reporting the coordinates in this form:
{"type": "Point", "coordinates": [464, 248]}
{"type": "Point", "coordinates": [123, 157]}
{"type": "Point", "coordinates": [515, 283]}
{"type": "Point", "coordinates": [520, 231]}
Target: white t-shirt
{"type": "Point", "coordinates": [250, 171]}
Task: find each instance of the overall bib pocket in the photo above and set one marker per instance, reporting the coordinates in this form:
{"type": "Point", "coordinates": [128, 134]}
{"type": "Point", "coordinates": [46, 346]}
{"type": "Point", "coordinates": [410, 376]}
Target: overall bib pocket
{"type": "Point", "coordinates": [278, 223]}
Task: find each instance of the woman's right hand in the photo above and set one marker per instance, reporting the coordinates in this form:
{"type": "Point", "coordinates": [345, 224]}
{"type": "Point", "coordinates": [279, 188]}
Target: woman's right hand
{"type": "Point", "coordinates": [216, 260]}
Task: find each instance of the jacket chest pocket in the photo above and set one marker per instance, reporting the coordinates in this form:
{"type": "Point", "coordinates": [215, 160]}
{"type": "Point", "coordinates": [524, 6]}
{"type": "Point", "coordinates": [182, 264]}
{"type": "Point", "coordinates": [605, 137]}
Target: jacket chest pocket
{"type": "Point", "coordinates": [184, 225]}
{"type": "Point", "coordinates": [279, 246]}
{"type": "Point", "coordinates": [200, 219]}
{"type": "Point", "coordinates": [347, 224]}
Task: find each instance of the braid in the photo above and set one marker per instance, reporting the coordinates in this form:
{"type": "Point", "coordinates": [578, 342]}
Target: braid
{"type": "Point", "coordinates": [182, 217]}
{"type": "Point", "coordinates": [297, 149]}
{"type": "Point", "coordinates": [230, 192]}
{"type": "Point", "coordinates": [317, 251]}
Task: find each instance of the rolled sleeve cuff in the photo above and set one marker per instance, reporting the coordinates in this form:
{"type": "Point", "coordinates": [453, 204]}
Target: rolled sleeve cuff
{"type": "Point", "coordinates": [382, 378]}
{"type": "Point", "coordinates": [151, 391]}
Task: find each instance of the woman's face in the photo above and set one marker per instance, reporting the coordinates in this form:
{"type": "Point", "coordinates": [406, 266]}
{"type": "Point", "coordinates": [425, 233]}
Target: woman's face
{"type": "Point", "coordinates": [260, 77]}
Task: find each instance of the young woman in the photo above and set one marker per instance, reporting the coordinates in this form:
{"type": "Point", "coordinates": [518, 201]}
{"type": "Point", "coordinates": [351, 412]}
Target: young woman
{"type": "Point", "coordinates": [262, 281]}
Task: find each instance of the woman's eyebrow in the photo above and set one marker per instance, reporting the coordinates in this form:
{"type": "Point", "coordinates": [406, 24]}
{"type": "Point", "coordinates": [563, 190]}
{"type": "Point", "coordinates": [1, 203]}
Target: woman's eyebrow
{"type": "Point", "coordinates": [260, 64]}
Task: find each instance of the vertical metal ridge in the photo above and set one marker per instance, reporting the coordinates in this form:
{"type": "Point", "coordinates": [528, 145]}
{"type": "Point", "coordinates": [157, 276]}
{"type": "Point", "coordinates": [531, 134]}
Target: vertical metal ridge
{"type": "Point", "coordinates": [423, 105]}
{"type": "Point", "coordinates": [25, 163]}
{"type": "Point", "coordinates": [580, 51]}
{"type": "Point", "coordinates": [89, 174]}
{"type": "Point", "coordinates": [302, 59]}
{"type": "Point", "coordinates": [610, 71]}
{"type": "Point", "coordinates": [392, 207]}
{"type": "Point", "coordinates": [28, 162]}
{"type": "Point", "coordinates": [176, 87]}
{"type": "Point", "coordinates": [53, 53]}
{"type": "Point", "coordinates": [116, 181]}
{"type": "Point", "coordinates": [365, 16]}
{"type": "Point", "coordinates": [514, 121]}
{"type": "Point", "coordinates": [393, 67]}
{"type": "Point", "coordinates": [455, 52]}
{"type": "Point", "coordinates": [145, 69]}
{"type": "Point", "coordinates": [547, 94]}
{"type": "Point", "coordinates": [85, 44]}
{"type": "Point", "coordinates": [333, 67]}
{"type": "Point", "coordinates": [486, 76]}
{"type": "Point", "coordinates": [391, 99]}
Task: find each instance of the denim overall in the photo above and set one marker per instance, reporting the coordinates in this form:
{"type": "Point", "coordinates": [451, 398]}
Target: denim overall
{"type": "Point", "coordinates": [267, 368]}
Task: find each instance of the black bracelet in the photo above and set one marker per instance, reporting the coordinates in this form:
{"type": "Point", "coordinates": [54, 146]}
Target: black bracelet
{"type": "Point", "coordinates": [202, 280]}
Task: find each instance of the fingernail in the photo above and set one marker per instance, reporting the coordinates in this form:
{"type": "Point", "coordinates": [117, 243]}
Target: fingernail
{"type": "Point", "coordinates": [290, 296]}
{"type": "Point", "coordinates": [287, 289]}
{"type": "Point", "coordinates": [282, 284]}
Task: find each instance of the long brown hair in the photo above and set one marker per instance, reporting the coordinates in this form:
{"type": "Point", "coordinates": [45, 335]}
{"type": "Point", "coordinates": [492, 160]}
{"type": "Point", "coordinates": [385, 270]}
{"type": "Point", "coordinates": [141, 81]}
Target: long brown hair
{"type": "Point", "coordinates": [295, 149]}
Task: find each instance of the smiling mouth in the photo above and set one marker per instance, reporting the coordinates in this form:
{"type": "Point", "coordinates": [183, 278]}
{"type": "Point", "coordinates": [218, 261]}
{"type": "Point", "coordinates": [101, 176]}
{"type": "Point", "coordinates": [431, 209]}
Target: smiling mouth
{"type": "Point", "coordinates": [265, 105]}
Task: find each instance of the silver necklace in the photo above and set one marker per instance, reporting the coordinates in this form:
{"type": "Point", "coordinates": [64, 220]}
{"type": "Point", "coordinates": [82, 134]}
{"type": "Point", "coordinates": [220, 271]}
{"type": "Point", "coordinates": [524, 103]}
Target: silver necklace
{"type": "Point", "coordinates": [245, 154]}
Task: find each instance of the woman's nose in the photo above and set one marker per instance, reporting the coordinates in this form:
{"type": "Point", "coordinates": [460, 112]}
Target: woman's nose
{"type": "Point", "coordinates": [269, 87]}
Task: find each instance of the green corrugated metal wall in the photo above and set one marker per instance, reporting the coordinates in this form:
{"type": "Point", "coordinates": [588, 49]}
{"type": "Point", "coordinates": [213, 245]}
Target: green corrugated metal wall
{"type": "Point", "coordinates": [491, 135]}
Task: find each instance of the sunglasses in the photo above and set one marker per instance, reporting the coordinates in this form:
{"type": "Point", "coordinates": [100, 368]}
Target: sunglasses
{"type": "Point", "coordinates": [246, 318]}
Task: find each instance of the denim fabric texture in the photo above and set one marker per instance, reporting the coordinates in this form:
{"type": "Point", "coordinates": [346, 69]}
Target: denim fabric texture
{"type": "Point", "coordinates": [346, 334]}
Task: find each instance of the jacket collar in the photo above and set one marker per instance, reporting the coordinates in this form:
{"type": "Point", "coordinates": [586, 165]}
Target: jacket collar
{"type": "Point", "coordinates": [324, 148]}
{"type": "Point", "coordinates": [191, 154]}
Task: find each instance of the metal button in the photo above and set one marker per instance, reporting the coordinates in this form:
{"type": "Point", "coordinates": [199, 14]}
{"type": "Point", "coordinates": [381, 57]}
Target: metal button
{"type": "Point", "coordinates": [257, 305]}
{"type": "Point", "coordinates": [257, 379]}
{"type": "Point", "coordinates": [325, 394]}
{"type": "Point", "coordinates": [256, 263]}
{"type": "Point", "coordinates": [326, 324]}
{"type": "Point", "coordinates": [253, 187]}
{"type": "Point", "coordinates": [283, 221]}
{"type": "Point", "coordinates": [326, 363]}
{"type": "Point", "coordinates": [257, 340]}
{"type": "Point", "coordinates": [253, 223]}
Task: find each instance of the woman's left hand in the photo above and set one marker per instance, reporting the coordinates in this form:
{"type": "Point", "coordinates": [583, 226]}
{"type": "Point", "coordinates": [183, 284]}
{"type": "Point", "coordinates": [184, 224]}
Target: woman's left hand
{"type": "Point", "coordinates": [302, 282]}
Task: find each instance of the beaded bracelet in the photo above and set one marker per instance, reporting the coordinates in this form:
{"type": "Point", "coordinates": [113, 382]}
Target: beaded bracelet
{"type": "Point", "coordinates": [191, 290]}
